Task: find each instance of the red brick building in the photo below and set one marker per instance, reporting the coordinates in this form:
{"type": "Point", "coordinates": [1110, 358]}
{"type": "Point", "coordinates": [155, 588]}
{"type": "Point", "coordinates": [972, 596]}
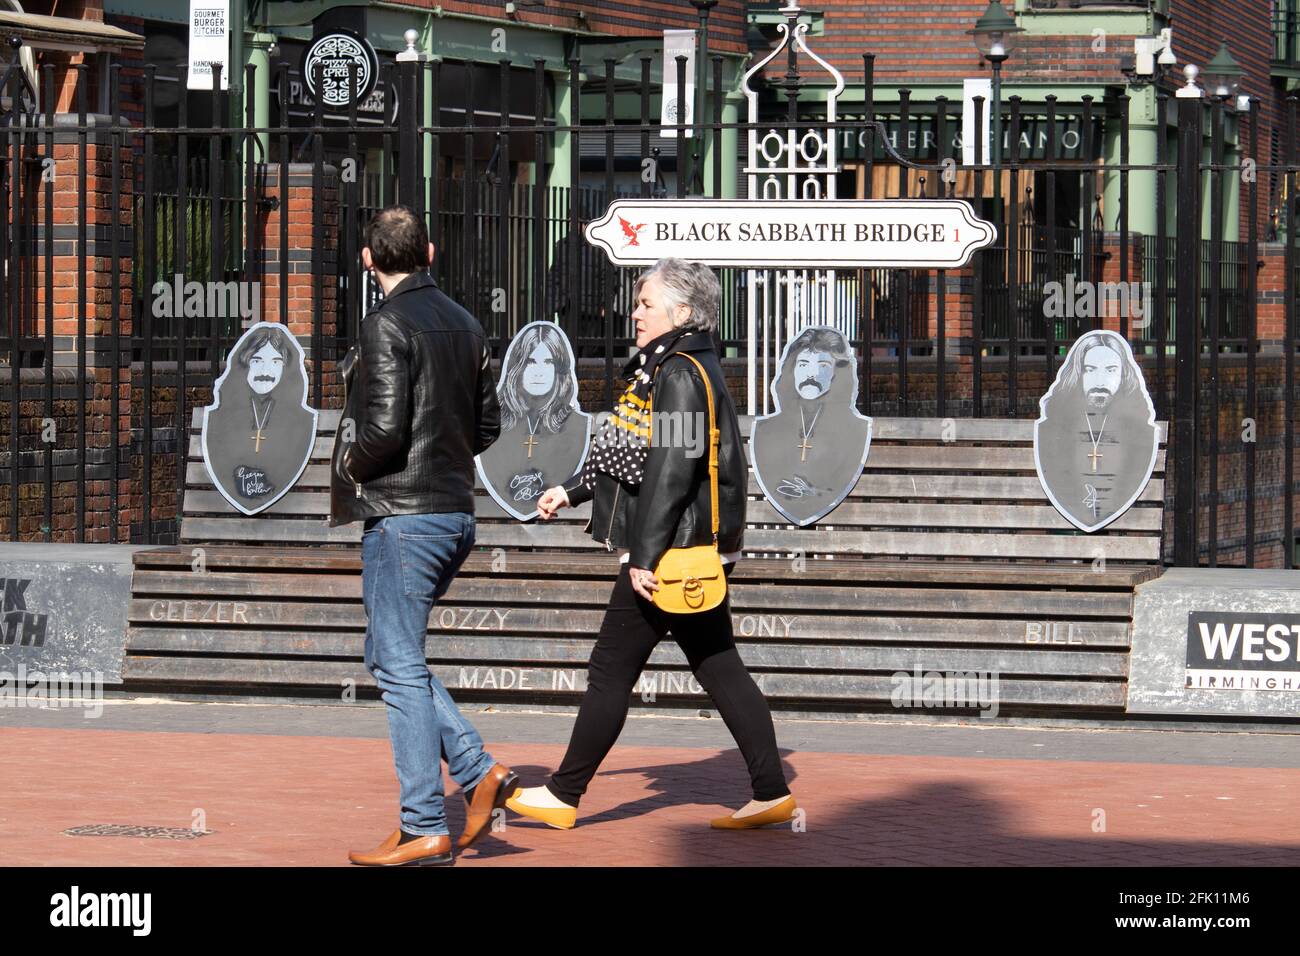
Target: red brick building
{"type": "Point", "coordinates": [1069, 50]}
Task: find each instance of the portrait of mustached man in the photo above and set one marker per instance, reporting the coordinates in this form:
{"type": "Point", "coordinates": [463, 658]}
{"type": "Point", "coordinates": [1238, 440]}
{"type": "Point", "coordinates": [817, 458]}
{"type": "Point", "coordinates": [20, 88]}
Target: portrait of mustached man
{"type": "Point", "coordinates": [808, 454]}
{"type": "Point", "coordinates": [1095, 441]}
{"type": "Point", "coordinates": [258, 433]}
{"type": "Point", "coordinates": [544, 433]}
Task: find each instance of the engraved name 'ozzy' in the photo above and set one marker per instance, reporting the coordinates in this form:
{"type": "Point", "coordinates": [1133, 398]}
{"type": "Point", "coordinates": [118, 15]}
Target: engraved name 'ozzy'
{"type": "Point", "coordinates": [471, 619]}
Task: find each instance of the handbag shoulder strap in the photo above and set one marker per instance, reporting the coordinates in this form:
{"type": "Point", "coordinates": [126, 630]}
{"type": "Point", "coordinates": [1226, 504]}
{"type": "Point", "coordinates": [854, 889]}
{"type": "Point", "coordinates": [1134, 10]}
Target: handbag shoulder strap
{"type": "Point", "coordinates": [714, 441]}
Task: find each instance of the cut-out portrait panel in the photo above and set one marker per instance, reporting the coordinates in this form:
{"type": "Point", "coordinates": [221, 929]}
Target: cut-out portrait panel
{"type": "Point", "coordinates": [259, 431]}
{"type": "Point", "coordinates": [807, 455]}
{"type": "Point", "coordinates": [1095, 440]}
{"type": "Point", "coordinates": [544, 432]}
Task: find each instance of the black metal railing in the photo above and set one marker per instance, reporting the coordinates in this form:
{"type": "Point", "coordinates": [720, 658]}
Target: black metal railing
{"type": "Point", "coordinates": [978, 341]}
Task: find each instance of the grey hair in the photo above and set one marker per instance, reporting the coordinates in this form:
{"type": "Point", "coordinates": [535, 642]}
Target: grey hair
{"type": "Point", "coordinates": [687, 283]}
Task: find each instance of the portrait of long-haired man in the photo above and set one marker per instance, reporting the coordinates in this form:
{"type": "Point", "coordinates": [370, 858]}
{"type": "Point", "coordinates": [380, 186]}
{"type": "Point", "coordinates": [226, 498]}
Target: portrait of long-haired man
{"type": "Point", "coordinates": [808, 454]}
{"type": "Point", "coordinates": [259, 431]}
{"type": "Point", "coordinates": [544, 432]}
{"type": "Point", "coordinates": [1095, 440]}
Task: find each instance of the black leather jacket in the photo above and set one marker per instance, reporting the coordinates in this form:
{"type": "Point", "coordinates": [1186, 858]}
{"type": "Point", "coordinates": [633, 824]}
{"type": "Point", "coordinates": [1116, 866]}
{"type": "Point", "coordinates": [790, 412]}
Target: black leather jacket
{"type": "Point", "coordinates": [422, 403]}
{"type": "Point", "coordinates": [671, 506]}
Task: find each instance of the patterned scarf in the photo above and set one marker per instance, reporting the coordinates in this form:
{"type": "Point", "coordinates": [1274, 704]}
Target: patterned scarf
{"type": "Point", "coordinates": [622, 442]}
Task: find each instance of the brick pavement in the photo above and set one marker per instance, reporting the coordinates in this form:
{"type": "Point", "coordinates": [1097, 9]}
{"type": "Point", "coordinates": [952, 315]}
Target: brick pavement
{"type": "Point", "coordinates": [305, 800]}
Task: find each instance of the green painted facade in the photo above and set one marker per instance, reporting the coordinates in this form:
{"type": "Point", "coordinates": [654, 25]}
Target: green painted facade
{"type": "Point", "coordinates": [1145, 127]}
{"type": "Point", "coordinates": [462, 37]}
{"type": "Point", "coordinates": [472, 39]}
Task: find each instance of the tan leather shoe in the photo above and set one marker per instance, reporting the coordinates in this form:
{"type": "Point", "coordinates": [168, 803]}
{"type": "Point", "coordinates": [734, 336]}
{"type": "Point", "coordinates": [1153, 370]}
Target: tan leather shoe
{"type": "Point", "coordinates": [781, 813]}
{"type": "Point", "coordinates": [561, 818]}
{"type": "Point", "coordinates": [422, 851]}
{"type": "Point", "coordinates": [489, 794]}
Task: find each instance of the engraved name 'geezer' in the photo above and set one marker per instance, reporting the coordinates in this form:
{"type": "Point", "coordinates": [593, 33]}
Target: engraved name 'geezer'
{"type": "Point", "coordinates": [800, 232]}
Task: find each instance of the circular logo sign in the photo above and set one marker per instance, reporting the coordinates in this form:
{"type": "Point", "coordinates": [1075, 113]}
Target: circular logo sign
{"type": "Point", "coordinates": [337, 57]}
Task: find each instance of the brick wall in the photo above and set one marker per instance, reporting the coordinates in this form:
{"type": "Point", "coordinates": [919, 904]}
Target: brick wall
{"type": "Point", "coordinates": [917, 41]}
{"type": "Point", "coordinates": [67, 461]}
{"type": "Point", "coordinates": [65, 415]}
{"type": "Point", "coordinates": [1199, 28]}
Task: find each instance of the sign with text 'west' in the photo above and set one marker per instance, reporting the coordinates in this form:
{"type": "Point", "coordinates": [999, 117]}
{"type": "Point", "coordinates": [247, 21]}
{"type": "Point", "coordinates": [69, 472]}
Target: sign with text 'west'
{"type": "Point", "coordinates": [814, 233]}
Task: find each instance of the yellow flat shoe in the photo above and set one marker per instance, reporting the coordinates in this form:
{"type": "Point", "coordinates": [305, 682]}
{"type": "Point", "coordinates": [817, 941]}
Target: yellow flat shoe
{"type": "Point", "coordinates": [562, 818]}
{"type": "Point", "coordinates": [781, 813]}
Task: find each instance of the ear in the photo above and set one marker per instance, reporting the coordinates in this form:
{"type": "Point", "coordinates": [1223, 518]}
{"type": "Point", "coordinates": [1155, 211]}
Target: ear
{"type": "Point", "coordinates": [431, 250]}
{"type": "Point", "coordinates": [366, 259]}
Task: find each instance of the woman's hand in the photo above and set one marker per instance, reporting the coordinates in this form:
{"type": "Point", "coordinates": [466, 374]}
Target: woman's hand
{"type": "Point", "coordinates": [552, 500]}
{"type": "Point", "coordinates": [644, 582]}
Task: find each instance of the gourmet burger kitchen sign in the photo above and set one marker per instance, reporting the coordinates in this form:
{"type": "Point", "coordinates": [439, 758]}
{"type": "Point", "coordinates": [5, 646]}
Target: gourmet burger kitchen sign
{"type": "Point", "coordinates": [814, 233]}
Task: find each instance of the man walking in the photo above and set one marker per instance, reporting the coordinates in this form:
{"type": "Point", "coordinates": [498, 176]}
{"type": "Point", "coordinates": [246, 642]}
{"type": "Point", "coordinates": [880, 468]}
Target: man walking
{"type": "Point", "coordinates": [420, 404]}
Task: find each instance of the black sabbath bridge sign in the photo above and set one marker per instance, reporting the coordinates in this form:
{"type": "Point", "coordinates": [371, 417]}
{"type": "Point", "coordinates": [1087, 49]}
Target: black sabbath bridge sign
{"type": "Point", "coordinates": [812, 233]}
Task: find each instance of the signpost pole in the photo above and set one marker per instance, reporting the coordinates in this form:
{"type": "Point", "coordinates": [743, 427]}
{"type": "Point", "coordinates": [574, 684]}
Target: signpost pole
{"type": "Point", "coordinates": [407, 134]}
{"type": "Point", "coordinates": [698, 152]}
{"type": "Point", "coordinates": [1187, 325]}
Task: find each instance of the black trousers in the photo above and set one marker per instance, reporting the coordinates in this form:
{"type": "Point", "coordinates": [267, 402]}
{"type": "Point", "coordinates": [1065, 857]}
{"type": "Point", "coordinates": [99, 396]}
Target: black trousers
{"type": "Point", "coordinates": [628, 634]}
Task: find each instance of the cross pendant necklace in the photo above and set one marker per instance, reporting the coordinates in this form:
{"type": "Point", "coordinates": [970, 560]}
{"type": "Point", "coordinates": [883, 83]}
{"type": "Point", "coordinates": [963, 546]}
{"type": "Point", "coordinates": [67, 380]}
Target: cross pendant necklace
{"type": "Point", "coordinates": [260, 424]}
{"type": "Point", "coordinates": [1094, 454]}
{"type": "Point", "coordinates": [530, 441]}
{"type": "Point", "coordinates": [804, 445]}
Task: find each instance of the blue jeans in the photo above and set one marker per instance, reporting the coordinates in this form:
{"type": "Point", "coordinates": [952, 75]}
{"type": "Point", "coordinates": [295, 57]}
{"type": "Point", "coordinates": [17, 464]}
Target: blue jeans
{"type": "Point", "coordinates": [408, 562]}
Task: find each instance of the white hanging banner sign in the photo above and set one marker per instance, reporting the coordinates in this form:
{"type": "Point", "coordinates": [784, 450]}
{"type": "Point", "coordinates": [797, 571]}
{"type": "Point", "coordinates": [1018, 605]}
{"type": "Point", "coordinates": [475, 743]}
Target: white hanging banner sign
{"type": "Point", "coordinates": [813, 233]}
{"type": "Point", "coordinates": [677, 106]}
{"type": "Point", "coordinates": [209, 43]}
{"type": "Point", "coordinates": [970, 136]}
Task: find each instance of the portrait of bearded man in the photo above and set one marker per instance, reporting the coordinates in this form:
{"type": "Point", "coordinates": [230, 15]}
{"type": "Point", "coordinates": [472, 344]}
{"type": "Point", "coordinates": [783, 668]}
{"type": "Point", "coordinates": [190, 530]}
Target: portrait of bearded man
{"type": "Point", "coordinates": [544, 432]}
{"type": "Point", "coordinates": [808, 454]}
{"type": "Point", "coordinates": [258, 432]}
{"type": "Point", "coordinates": [1095, 441]}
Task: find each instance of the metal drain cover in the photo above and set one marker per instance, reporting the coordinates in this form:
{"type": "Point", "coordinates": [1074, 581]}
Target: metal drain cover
{"type": "Point", "coordinates": [133, 830]}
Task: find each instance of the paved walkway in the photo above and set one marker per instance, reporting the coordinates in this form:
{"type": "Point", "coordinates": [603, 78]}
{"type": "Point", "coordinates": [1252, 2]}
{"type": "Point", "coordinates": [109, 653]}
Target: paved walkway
{"type": "Point", "coordinates": [301, 785]}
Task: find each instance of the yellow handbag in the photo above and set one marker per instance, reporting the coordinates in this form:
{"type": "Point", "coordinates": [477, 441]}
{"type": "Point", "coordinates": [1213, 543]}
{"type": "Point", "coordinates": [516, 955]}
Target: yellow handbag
{"type": "Point", "coordinates": [692, 579]}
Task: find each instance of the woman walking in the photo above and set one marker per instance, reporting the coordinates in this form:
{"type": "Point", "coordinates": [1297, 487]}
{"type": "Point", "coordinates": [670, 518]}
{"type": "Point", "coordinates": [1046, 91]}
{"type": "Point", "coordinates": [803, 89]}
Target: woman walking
{"type": "Point", "coordinates": [652, 492]}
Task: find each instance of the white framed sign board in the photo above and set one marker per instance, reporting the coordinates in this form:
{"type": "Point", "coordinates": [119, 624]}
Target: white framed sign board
{"type": "Point", "coordinates": [797, 234]}
{"type": "Point", "coordinates": [209, 43]}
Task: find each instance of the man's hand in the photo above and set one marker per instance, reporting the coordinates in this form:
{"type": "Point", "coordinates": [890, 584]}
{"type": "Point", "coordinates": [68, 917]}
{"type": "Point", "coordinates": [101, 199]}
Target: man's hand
{"type": "Point", "coordinates": [552, 500]}
{"type": "Point", "coordinates": [644, 582]}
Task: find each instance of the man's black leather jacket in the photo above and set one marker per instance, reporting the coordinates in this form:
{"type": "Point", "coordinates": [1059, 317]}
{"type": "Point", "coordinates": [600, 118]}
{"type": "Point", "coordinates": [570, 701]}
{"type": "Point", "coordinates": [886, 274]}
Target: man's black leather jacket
{"type": "Point", "coordinates": [421, 403]}
{"type": "Point", "coordinates": [671, 506]}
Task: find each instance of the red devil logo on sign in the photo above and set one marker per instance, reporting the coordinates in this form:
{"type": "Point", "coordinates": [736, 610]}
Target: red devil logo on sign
{"type": "Point", "coordinates": [631, 232]}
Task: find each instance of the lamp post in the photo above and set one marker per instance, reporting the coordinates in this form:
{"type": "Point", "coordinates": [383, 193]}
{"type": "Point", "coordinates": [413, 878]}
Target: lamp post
{"type": "Point", "coordinates": [1223, 75]}
{"type": "Point", "coordinates": [995, 36]}
{"type": "Point", "coordinates": [701, 81]}
{"type": "Point", "coordinates": [1222, 81]}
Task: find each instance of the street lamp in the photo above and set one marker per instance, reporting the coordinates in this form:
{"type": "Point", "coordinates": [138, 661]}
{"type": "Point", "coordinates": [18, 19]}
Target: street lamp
{"type": "Point", "coordinates": [1223, 75]}
{"type": "Point", "coordinates": [995, 36]}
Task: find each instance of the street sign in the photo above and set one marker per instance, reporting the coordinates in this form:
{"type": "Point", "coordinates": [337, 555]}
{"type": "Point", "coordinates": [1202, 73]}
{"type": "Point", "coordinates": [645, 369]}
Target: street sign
{"type": "Point", "coordinates": [677, 106]}
{"type": "Point", "coordinates": [209, 43]}
{"type": "Point", "coordinates": [826, 233]}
